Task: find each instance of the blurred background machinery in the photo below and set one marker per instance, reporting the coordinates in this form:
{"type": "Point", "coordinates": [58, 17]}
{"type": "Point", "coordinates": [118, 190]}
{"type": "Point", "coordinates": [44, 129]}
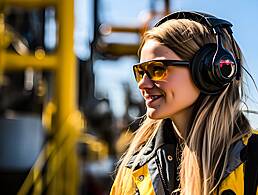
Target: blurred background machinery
{"type": "Point", "coordinates": [40, 119]}
{"type": "Point", "coordinates": [56, 136]}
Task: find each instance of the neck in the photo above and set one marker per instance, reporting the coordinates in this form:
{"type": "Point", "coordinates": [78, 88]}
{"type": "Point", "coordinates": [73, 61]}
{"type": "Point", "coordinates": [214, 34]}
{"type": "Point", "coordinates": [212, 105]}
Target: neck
{"type": "Point", "coordinates": [180, 122]}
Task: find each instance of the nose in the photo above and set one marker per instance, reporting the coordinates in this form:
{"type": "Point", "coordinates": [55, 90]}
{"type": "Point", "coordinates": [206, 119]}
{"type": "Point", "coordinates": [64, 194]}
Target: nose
{"type": "Point", "coordinates": [145, 83]}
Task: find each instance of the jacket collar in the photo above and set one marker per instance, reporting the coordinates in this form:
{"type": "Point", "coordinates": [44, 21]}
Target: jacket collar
{"type": "Point", "coordinates": [165, 135]}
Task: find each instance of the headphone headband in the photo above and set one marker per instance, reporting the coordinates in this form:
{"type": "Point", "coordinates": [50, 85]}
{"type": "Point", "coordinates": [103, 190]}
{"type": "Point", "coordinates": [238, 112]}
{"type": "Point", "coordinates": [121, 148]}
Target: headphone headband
{"type": "Point", "coordinates": [203, 18]}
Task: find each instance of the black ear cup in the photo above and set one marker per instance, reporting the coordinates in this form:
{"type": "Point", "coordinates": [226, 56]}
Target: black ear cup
{"type": "Point", "coordinates": [212, 68]}
{"type": "Point", "coordinates": [224, 66]}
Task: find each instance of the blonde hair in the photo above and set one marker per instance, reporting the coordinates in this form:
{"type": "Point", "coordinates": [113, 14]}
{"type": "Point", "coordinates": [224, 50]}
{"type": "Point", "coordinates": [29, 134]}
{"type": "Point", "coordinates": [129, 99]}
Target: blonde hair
{"type": "Point", "coordinates": [218, 123]}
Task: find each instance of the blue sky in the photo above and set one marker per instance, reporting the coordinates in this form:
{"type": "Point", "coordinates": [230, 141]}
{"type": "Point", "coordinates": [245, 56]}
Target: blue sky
{"type": "Point", "coordinates": [241, 14]}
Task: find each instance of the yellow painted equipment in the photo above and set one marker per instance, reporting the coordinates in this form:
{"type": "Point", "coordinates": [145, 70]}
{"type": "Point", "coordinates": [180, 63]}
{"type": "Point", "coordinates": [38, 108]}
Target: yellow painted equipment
{"type": "Point", "coordinates": [58, 157]}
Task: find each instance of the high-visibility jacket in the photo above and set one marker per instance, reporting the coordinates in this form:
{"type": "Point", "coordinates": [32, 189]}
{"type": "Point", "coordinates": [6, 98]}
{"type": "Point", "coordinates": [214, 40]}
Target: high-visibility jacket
{"type": "Point", "coordinates": [157, 170]}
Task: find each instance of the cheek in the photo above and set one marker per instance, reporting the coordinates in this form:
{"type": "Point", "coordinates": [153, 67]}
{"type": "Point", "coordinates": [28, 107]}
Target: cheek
{"type": "Point", "coordinates": [189, 92]}
{"type": "Point", "coordinates": [183, 88]}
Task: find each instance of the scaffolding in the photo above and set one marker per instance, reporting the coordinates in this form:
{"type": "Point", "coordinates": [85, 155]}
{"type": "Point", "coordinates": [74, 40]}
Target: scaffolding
{"type": "Point", "coordinates": [56, 169]}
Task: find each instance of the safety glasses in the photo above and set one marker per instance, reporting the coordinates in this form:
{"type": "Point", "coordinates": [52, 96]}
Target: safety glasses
{"type": "Point", "coordinates": [155, 69]}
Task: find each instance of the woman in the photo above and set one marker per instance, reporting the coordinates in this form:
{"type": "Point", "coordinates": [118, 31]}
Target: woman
{"type": "Point", "coordinates": [193, 140]}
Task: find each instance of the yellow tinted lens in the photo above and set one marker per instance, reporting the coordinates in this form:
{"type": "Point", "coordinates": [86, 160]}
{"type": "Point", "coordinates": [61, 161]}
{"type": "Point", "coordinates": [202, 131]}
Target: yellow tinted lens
{"type": "Point", "coordinates": [156, 70]}
{"type": "Point", "coordinates": [138, 73]}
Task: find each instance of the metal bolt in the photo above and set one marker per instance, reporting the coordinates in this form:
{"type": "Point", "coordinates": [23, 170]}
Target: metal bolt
{"type": "Point", "coordinates": [170, 158]}
{"type": "Point", "coordinates": [141, 177]}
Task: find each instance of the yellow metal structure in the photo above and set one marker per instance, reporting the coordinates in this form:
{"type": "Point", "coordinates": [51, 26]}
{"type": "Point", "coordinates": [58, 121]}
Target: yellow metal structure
{"type": "Point", "coordinates": [56, 169]}
{"type": "Point", "coordinates": [11, 61]}
{"type": "Point", "coordinates": [97, 146]}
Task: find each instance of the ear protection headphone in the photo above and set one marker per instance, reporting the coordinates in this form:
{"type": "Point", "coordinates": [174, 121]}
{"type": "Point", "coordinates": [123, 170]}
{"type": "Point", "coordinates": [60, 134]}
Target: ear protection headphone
{"type": "Point", "coordinates": [213, 67]}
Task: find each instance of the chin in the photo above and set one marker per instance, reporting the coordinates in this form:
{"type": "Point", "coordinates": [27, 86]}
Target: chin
{"type": "Point", "coordinates": [153, 114]}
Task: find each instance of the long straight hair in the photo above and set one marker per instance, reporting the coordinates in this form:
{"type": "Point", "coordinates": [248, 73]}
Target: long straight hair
{"type": "Point", "coordinates": [217, 121]}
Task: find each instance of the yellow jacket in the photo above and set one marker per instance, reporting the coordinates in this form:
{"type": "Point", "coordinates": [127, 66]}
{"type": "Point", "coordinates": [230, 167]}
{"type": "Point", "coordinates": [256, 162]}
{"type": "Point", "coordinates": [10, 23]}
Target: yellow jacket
{"type": "Point", "coordinates": [156, 171]}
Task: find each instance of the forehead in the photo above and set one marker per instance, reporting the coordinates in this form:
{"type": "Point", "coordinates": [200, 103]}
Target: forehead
{"type": "Point", "coordinates": [154, 50]}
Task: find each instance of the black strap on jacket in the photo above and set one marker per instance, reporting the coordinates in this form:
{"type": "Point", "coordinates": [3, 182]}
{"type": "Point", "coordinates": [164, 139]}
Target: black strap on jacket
{"type": "Point", "coordinates": [251, 166]}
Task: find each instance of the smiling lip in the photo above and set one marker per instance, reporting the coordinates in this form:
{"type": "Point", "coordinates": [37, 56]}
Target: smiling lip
{"type": "Point", "coordinates": [150, 99]}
